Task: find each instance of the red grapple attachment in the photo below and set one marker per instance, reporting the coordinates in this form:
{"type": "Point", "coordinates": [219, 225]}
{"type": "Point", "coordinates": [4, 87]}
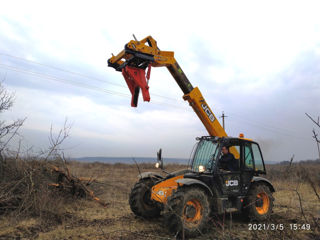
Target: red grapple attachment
{"type": "Point", "coordinates": [136, 78]}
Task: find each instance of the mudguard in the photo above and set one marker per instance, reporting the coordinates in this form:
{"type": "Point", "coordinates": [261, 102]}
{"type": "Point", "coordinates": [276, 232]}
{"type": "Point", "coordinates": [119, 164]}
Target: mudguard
{"type": "Point", "coordinates": [264, 180]}
{"type": "Point", "coordinates": [191, 181]}
{"type": "Point", "coordinates": [149, 175]}
{"type": "Point", "coordinates": [178, 172]}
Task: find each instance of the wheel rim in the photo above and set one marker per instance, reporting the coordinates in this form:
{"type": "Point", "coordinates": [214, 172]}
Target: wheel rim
{"type": "Point", "coordinates": [262, 203]}
{"type": "Point", "coordinates": [192, 212]}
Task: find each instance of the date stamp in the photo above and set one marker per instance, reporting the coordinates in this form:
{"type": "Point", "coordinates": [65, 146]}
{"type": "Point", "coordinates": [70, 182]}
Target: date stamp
{"type": "Point", "coordinates": [278, 226]}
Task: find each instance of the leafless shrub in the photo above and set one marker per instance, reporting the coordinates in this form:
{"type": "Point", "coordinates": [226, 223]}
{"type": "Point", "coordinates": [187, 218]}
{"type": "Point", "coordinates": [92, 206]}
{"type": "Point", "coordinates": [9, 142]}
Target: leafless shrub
{"type": "Point", "coordinates": [42, 185]}
{"type": "Point", "coordinates": [7, 130]}
{"type": "Point", "coordinates": [37, 185]}
{"type": "Point", "coordinates": [25, 191]}
{"type": "Point", "coordinates": [315, 181]}
{"type": "Point", "coordinates": [315, 135]}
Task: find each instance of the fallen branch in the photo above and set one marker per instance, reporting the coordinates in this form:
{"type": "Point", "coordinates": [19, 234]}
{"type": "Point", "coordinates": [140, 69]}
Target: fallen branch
{"type": "Point", "coordinates": [67, 181]}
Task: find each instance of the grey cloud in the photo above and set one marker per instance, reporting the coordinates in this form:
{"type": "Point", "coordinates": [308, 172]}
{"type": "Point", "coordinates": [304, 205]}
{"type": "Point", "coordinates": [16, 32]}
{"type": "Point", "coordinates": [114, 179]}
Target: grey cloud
{"type": "Point", "coordinates": [272, 112]}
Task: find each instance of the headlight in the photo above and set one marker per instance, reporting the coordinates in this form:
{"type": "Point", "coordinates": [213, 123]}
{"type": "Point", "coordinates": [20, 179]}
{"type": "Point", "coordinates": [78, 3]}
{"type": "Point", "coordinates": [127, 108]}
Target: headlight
{"type": "Point", "coordinates": [201, 168]}
{"type": "Point", "coordinates": [160, 193]}
{"type": "Point", "coordinates": [157, 165]}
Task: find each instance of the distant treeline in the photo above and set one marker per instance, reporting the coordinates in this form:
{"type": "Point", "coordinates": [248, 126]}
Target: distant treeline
{"type": "Point", "coordinates": [130, 160]}
{"type": "Point", "coordinates": [317, 161]}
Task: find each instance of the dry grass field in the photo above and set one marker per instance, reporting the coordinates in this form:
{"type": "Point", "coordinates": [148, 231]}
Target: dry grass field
{"type": "Point", "coordinates": [77, 218]}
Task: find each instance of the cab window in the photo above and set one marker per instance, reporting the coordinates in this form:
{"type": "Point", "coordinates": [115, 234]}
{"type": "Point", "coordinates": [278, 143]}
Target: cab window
{"type": "Point", "coordinates": [205, 155]}
{"type": "Point", "coordinates": [257, 157]}
{"type": "Point", "coordinates": [248, 156]}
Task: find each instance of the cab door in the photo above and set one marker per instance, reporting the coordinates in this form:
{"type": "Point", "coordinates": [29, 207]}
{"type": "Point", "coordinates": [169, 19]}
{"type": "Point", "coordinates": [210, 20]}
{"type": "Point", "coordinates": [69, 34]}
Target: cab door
{"type": "Point", "coordinates": [230, 181]}
{"type": "Point", "coordinates": [259, 167]}
{"type": "Point", "coordinates": [247, 166]}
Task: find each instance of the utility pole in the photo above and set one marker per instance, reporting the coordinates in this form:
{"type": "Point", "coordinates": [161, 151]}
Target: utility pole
{"type": "Point", "coordinates": [223, 116]}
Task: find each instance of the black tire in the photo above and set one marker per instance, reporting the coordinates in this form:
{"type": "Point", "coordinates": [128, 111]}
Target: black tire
{"type": "Point", "coordinates": [140, 201]}
{"type": "Point", "coordinates": [182, 211]}
{"type": "Point", "coordinates": [258, 203]}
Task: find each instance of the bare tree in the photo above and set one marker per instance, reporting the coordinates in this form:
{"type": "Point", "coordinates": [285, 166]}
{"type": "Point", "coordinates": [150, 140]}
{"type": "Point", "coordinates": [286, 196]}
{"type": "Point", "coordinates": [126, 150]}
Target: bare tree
{"type": "Point", "coordinates": [7, 130]}
{"type": "Point", "coordinates": [55, 149]}
{"type": "Point", "coordinates": [315, 135]}
{"type": "Point", "coordinates": [317, 140]}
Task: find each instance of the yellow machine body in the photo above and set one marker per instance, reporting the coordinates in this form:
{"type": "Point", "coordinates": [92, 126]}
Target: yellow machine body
{"type": "Point", "coordinates": [161, 191]}
{"type": "Point", "coordinates": [148, 48]}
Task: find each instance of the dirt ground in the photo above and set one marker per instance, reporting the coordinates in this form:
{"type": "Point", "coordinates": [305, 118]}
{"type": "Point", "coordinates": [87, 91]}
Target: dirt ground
{"type": "Point", "coordinates": [86, 219]}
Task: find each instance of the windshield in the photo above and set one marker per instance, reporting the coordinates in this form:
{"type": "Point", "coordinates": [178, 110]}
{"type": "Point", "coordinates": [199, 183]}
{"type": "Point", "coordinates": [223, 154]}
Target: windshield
{"type": "Point", "coordinates": [205, 155]}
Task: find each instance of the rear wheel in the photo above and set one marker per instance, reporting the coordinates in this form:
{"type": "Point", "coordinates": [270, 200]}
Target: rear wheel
{"type": "Point", "coordinates": [259, 203]}
{"type": "Point", "coordinates": [187, 210]}
{"type": "Point", "coordinates": [140, 200]}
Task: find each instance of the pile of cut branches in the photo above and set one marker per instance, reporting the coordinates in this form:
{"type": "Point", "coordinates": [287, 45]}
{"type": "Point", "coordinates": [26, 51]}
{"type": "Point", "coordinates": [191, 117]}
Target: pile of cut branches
{"type": "Point", "coordinates": [74, 185]}
{"type": "Point", "coordinates": [39, 188]}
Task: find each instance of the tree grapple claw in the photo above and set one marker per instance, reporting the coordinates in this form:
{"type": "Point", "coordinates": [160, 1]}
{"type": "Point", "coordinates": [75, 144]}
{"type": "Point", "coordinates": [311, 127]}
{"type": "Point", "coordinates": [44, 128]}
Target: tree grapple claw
{"type": "Point", "coordinates": [136, 79]}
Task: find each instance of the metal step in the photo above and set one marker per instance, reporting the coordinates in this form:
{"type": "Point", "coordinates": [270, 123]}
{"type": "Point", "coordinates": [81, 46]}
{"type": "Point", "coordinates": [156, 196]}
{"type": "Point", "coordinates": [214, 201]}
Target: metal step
{"type": "Point", "coordinates": [230, 210]}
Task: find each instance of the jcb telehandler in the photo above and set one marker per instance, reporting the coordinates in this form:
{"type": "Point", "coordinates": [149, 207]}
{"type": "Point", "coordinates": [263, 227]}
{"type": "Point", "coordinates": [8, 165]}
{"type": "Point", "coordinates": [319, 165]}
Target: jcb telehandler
{"type": "Point", "coordinates": [187, 198]}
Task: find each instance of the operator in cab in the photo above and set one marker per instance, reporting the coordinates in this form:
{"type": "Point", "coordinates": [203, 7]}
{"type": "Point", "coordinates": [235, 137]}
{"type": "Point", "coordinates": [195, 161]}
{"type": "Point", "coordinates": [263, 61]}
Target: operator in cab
{"type": "Point", "coordinates": [227, 161]}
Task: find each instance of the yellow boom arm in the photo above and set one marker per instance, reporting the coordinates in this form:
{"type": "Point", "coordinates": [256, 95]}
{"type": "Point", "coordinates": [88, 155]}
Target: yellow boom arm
{"type": "Point", "coordinates": [141, 54]}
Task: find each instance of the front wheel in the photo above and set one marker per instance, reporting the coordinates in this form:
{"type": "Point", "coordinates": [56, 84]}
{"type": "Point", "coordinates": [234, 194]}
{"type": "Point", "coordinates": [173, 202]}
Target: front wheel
{"type": "Point", "coordinates": [140, 200]}
{"type": "Point", "coordinates": [259, 203]}
{"type": "Point", "coordinates": [187, 210]}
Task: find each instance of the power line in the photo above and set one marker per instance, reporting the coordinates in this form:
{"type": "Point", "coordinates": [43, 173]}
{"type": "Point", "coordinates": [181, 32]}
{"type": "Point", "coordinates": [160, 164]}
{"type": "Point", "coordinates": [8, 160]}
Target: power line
{"type": "Point", "coordinates": [271, 129]}
{"type": "Point", "coordinates": [87, 86]}
{"type": "Point", "coordinates": [40, 75]}
{"type": "Point", "coordinates": [123, 86]}
{"type": "Point", "coordinates": [76, 73]}
{"type": "Point", "coordinates": [263, 125]}
{"type": "Point", "coordinates": [76, 83]}
{"type": "Point", "coordinates": [259, 125]}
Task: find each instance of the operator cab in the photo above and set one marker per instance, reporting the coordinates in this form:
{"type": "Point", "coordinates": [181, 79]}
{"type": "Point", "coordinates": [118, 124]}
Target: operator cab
{"type": "Point", "coordinates": [206, 165]}
{"type": "Point", "coordinates": [208, 153]}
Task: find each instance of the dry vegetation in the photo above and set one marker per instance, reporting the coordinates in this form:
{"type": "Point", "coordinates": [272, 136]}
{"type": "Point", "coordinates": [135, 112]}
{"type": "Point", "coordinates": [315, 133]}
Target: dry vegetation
{"type": "Point", "coordinates": [53, 214]}
{"type": "Point", "coordinates": [31, 207]}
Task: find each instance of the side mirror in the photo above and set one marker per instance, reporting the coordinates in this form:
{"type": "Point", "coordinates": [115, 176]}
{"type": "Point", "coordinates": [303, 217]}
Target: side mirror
{"type": "Point", "coordinates": [159, 163]}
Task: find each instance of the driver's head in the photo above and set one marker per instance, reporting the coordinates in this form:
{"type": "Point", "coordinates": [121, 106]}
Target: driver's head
{"type": "Point", "coordinates": [225, 150]}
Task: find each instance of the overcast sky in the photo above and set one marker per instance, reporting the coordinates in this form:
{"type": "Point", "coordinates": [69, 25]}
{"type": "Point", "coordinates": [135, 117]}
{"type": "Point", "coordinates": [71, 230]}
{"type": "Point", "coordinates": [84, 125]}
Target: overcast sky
{"type": "Point", "coordinates": [258, 61]}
